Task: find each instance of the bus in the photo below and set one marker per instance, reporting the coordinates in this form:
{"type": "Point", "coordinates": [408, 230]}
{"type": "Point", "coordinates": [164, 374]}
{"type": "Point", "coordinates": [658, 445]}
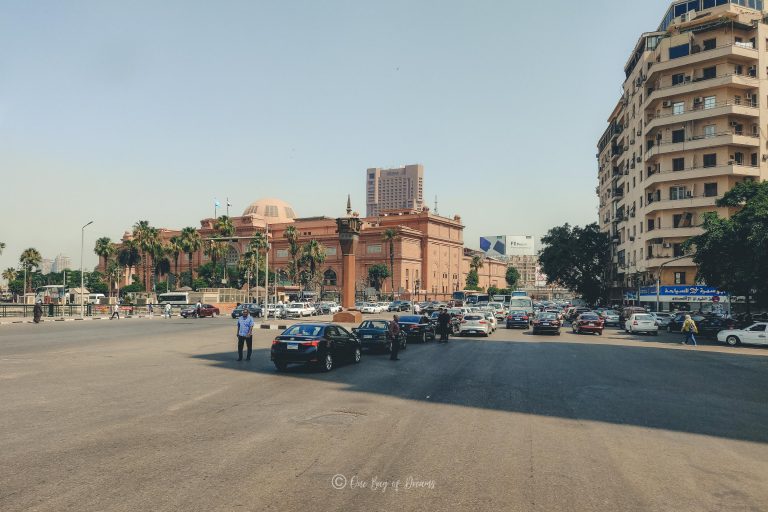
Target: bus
{"type": "Point", "coordinates": [173, 298]}
{"type": "Point", "coordinates": [521, 303]}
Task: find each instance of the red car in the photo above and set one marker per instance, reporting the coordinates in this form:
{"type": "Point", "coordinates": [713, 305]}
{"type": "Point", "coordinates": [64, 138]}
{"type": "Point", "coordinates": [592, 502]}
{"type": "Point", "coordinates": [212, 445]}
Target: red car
{"type": "Point", "coordinates": [205, 310]}
{"type": "Point", "coordinates": [588, 322]}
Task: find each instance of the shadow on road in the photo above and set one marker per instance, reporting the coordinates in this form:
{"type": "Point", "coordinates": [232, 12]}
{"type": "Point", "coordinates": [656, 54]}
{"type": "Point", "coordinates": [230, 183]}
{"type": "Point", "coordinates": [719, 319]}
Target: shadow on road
{"type": "Point", "coordinates": [698, 392]}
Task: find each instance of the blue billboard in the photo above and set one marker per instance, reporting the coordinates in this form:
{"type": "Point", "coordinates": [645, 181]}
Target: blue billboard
{"type": "Point", "coordinates": [681, 293]}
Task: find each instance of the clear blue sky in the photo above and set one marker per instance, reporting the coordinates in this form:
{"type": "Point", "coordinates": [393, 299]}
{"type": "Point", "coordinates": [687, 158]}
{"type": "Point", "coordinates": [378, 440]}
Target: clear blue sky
{"type": "Point", "coordinates": [119, 111]}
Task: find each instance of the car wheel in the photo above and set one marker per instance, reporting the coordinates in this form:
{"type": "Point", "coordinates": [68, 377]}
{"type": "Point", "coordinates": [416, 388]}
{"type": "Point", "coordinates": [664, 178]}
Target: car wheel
{"type": "Point", "coordinates": [357, 355]}
{"type": "Point", "coordinates": [732, 341]}
{"type": "Point", "coordinates": [281, 367]}
{"type": "Point", "coordinates": [327, 364]}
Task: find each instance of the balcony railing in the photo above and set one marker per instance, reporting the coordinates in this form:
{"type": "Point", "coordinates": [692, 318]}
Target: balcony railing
{"type": "Point", "coordinates": [753, 134]}
{"type": "Point", "coordinates": [702, 106]}
{"type": "Point", "coordinates": [711, 170]}
{"type": "Point", "coordinates": [696, 56]}
{"type": "Point", "coordinates": [694, 80]}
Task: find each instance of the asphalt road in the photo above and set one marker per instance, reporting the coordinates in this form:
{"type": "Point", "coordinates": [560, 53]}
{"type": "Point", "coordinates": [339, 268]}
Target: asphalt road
{"type": "Point", "coordinates": [157, 415]}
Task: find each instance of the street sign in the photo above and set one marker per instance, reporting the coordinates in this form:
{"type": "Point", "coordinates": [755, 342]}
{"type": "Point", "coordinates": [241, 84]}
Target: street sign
{"type": "Point", "coordinates": [715, 299]}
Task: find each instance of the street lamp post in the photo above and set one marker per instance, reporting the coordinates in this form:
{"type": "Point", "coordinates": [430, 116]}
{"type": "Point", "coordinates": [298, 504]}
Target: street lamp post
{"type": "Point", "coordinates": [82, 279]}
{"type": "Point", "coordinates": [658, 277]}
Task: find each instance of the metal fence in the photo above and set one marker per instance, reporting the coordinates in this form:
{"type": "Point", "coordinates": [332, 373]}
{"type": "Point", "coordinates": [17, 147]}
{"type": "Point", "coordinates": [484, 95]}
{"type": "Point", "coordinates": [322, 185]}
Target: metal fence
{"type": "Point", "coordinates": [72, 310]}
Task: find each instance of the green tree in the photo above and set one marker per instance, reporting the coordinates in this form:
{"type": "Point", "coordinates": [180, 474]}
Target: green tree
{"type": "Point", "coordinates": [191, 241]}
{"type": "Point", "coordinates": [215, 249]}
{"type": "Point", "coordinates": [16, 287]}
{"type": "Point", "coordinates": [256, 247]}
{"type": "Point", "coordinates": [294, 269]}
{"type": "Point", "coordinates": [29, 259]}
{"type": "Point", "coordinates": [512, 277]}
{"type": "Point", "coordinates": [732, 253]}
{"type": "Point", "coordinates": [104, 248]}
{"type": "Point", "coordinates": [313, 254]}
{"type": "Point", "coordinates": [175, 249]}
{"type": "Point", "coordinates": [377, 274]}
{"type": "Point", "coordinates": [225, 229]}
{"type": "Point", "coordinates": [577, 258]}
{"type": "Point", "coordinates": [9, 274]}
{"type": "Point", "coordinates": [389, 237]}
{"type": "Point", "coordinates": [147, 237]}
{"type": "Point", "coordinates": [129, 255]}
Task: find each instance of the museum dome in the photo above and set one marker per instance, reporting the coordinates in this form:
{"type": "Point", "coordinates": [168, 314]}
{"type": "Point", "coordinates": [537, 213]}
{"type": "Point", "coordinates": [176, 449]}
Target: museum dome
{"type": "Point", "coordinates": [274, 211]}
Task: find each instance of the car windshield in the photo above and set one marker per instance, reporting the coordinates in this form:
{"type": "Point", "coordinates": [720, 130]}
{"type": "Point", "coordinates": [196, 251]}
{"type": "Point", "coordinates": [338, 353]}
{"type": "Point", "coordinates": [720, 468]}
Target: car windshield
{"type": "Point", "coordinates": [589, 316]}
{"type": "Point", "coordinates": [303, 330]}
{"type": "Point", "coordinates": [612, 312]}
{"type": "Point", "coordinates": [297, 305]}
{"type": "Point", "coordinates": [473, 317]}
{"type": "Point", "coordinates": [548, 316]}
{"type": "Point", "coordinates": [410, 319]}
{"type": "Point", "coordinates": [374, 324]}
{"type": "Point", "coordinates": [644, 318]}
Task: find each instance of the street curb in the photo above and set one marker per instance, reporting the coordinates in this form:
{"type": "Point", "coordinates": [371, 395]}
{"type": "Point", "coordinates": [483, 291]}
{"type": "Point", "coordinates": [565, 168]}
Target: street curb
{"type": "Point", "coordinates": [88, 318]}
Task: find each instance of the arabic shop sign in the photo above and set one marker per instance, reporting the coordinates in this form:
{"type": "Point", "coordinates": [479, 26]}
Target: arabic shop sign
{"type": "Point", "coordinates": [682, 293]}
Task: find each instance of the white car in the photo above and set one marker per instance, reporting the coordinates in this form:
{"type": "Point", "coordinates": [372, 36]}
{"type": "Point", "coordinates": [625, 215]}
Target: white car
{"type": "Point", "coordinates": [642, 322]}
{"type": "Point", "coordinates": [474, 323]}
{"type": "Point", "coordinates": [276, 311]}
{"type": "Point", "coordinates": [333, 307]}
{"type": "Point", "coordinates": [492, 321]}
{"type": "Point", "coordinates": [370, 307]}
{"type": "Point", "coordinates": [663, 319]}
{"type": "Point", "coordinates": [756, 334]}
{"type": "Point", "coordinates": [299, 309]}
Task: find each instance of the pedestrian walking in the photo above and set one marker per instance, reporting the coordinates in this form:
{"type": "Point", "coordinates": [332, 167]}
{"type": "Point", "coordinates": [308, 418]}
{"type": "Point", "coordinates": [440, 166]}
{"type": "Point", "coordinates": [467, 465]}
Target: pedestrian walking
{"type": "Point", "coordinates": [167, 311]}
{"type": "Point", "coordinates": [150, 310]}
{"type": "Point", "coordinates": [115, 312]}
{"type": "Point", "coordinates": [244, 335]}
{"type": "Point", "coordinates": [443, 321]}
{"type": "Point", "coordinates": [37, 312]}
{"type": "Point", "coordinates": [690, 330]}
{"type": "Point", "coordinates": [394, 336]}
{"type": "Point", "coordinates": [198, 307]}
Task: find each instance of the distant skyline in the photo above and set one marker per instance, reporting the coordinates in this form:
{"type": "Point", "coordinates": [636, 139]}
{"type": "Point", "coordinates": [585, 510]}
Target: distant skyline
{"type": "Point", "coordinates": [119, 112]}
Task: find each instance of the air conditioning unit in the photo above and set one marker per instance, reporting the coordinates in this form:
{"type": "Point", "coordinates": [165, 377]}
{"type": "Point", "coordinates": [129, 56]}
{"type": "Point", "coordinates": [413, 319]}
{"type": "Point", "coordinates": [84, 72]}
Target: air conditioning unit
{"type": "Point", "coordinates": [631, 239]}
{"type": "Point", "coordinates": [639, 132]}
{"type": "Point", "coordinates": [698, 99]}
{"type": "Point", "coordinates": [639, 159]}
{"type": "Point", "coordinates": [667, 104]}
{"type": "Point", "coordinates": [666, 245]}
{"type": "Point", "coordinates": [631, 141]}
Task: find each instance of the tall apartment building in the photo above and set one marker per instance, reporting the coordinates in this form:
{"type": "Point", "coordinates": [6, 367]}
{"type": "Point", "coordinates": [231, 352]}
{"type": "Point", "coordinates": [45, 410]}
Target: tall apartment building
{"type": "Point", "coordinates": [401, 188]}
{"type": "Point", "coordinates": [691, 123]}
{"type": "Point", "coordinates": [61, 263]}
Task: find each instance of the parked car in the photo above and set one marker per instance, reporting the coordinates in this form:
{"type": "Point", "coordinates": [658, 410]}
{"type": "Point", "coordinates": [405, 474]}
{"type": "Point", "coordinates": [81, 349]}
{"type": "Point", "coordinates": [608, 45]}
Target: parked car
{"type": "Point", "coordinates": [588, 322]}
{"type": "Point", "coordinates": [491, 317]}
{"type": "Point", "coordinates": [575, 312]}
{"type": "Point", "coordinates": [394, 306]}
{"type": "Point", "coordinates": [254, 310]}
{"type": "Point", "coordinates": [611, 317]}
{"type": "Point", "coordinates": [319, 344]}
{"type": "Point", "coordinates": [756, 334]}
{"type": "Point", "coordinates": [708, 325]}
{"type": "Point", "coordinates": [546, 322]}
{"type": "Point", "coordinates": [276, 311]}
{"type": "Point", "coordinates": [417, 327]}
{"type": "Point", "coordinates": [374, 335]}
{"type": "Point", "coordinates": [454, 325]}
{"type": "Point", "coordinates": [475, 323]}
{"type": "Point", "coordinates": [662, 319]}
{"type": "Point", "coordinates": [628, 311]}
{"type": "Point", "coordinates": [206, 310]}
{"type": "Point", "coordinates": [370, 307]}
{"type": "Point", "coordinates": [298, 309]}
{"type": "Point", "coordinates": [518, 320]}
{"type": "Point", "coordinates": [642, 322]}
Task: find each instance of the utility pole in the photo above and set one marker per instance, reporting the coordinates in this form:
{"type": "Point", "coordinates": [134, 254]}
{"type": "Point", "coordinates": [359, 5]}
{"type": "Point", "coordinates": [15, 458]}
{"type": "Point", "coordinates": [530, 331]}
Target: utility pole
{"type": "Point", "coordinates": [82, 277]}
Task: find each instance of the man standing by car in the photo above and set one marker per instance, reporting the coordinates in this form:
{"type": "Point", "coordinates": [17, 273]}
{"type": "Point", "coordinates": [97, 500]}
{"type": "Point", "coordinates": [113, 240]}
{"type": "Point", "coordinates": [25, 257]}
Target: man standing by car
{"type": "Point", "coordinates": [443, 321]}
{"type": "Point", "coordinates": [244, 335]}
{"type": "Point", "coordinates": [198, 307]}
{"type": "Point", "coordinates": [394, 335]}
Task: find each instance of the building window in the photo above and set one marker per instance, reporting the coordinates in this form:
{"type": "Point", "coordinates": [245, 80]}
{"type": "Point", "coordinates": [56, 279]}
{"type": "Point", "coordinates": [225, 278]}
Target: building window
{"type": "Point", "coordinates": [710, 102]}
{"type": "Point", "coordinates": [710, 44]}
{"type": "Point", "coordinates": [710, 160]}
{"type": "Point", "coordinates": [329, 277]}
{"type": "Point", "coordinates": [710, 189]}
{"type": "Point", "coordinates": [677, 250]}
{"type": "Point", "coordinates": [676, 193]}
{"type": "Point", "coordinates": [710, 72]}
{"type": "Point", "coordinates": [738, 157]}
{"type": "Point", "coordinates": [678, 164]}
{"type": "Point", "coordinates": [282, 253]}
{"type": "Point", "coordinates": [709, 131]}
{"type": "Point", "coordinates": [373, 249]}
{"type": "Point", "coordinates": [678, 136]}
{"type": "Point", "coordinates": [678, 79]}
{"type": "Point", "coordinates": [330, 251]}
{"type": "Point", "coordinates": [678, 108]}
{"type": "Point", "coordinates": [679, 277]}
{"type": "Point", "coordinates": [753, 159]}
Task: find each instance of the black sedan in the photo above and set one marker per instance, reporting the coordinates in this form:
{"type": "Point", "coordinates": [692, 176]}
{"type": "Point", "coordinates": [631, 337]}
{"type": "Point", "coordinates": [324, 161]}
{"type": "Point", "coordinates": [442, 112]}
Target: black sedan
{"type": "Point", "coordinates": [546, 322]}
{"type": "Point", "coordinates": [417, 327]}
{"type": "Point", "coordinates": [374, 335]}
{"type": "Point", "coordinates": [708, 325]}
{"type": "Point", "coordinates": [253, 309]}
{"type": "Point", "coordinates": [317, 344]}
{"type": "Point", "coordinates": [518, 319]}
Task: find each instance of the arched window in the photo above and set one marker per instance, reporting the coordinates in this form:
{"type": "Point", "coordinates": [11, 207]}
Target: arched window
{"type": "Point", "coordinates": [329, 277]}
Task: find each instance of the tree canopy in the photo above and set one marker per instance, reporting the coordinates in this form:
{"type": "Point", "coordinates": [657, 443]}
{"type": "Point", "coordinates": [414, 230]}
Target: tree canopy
{"type": "Point", "coordinates": [377, 274]}
{"type": "Point", "coordinates": [578, 258]}
{"type": "Point", "coordinates": [512, 277]}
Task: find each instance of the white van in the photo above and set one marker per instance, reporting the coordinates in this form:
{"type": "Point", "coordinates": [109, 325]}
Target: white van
{"type": "Point", "coordinates": [95, 298]}
{"type": "Point", "coordinates": [518, 303]}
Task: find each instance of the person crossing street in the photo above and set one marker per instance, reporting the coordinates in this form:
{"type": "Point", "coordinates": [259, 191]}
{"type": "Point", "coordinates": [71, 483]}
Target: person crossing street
{"type": "Point", "coordinates": [394, 335]}
{"type": "Point", "coordinates": [244, 335]}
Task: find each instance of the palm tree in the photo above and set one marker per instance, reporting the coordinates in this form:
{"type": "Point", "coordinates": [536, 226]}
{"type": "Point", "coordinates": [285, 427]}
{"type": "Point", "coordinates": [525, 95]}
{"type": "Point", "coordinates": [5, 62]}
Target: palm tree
{"type": "Point", "coordinates": [191, 242]}
{"type": "Point", "coordinates": [147, 237]}
{"type": "Point", "coordinates": [175, 248]}
{"type": "Point", "coordinates": [29, 259]}
{"type": "Point", "coordinates": [160, 263]}
{"type": "Point", "coordinates": [294, 248]}
{"type": "Point", "coordinates": [104, 248]}
{"type": "Point", "coordinates": [9, 274]}
{"type": "Point", "coordinates": [112, 274]}
{"type": "Point", "coordinates": [389, 236]}
{"type": "Point", "coordinates": [257, 246]}
{"type": "Point", "coordinates": [129, 256]}
{"type": "Point", "coordinates": [313, 253]}
{"type": "Point", "coordinates": [476, 264]}
{"type": "Point", "coordinates": [226, 229]}
{"type": "Point", "coordinates": [215, 250]}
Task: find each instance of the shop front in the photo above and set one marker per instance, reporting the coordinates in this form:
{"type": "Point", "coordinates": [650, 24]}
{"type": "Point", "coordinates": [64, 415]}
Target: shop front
{"type": "Point", "coordinates": [685, 298]}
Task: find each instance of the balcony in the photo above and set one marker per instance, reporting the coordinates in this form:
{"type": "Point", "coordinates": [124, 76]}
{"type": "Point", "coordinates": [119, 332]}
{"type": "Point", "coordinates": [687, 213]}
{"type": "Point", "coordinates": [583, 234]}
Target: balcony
{"type": "Point", "coordinates": [693, 173]}
{"type": "Point", "coordinates": [732, 80]}
{"type": "Point", "coordinates": [727, 138]}
{"type": "Point", "coordinates": [723, 108]}
{"type": "Point", "coordinates": [697, 201]}
{"type": "Point", "coordinates": [686, 232]}
{"type": "Point", "coordinates": [664, 257]}
{"type": "Point", "coordinates": [734, 52]}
